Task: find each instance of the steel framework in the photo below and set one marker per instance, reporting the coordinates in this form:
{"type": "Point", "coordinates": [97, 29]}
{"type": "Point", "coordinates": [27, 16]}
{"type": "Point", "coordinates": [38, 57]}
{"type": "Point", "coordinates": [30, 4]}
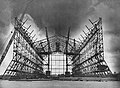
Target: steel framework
{"type": "Point", "coordinates": [30, 57]}
{"type": "Point", "coordinates": [91, 61]}
{"type": "Point", "coordinates": [60, 44]}
{"type": "Point", "coordinates": [26, 62]}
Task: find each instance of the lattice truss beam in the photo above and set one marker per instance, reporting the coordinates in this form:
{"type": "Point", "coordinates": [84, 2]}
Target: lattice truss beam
{"type": "Point", "coordinates": [26, 62]}
{"type": "Point", "coordinates": [57, 44]}
{"type": "Point", "coordinates": [91, 61]}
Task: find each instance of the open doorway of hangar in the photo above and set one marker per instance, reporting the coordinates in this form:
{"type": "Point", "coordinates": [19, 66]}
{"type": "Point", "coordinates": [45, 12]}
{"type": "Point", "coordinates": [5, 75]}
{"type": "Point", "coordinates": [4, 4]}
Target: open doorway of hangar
{"type": "Point", "coordinates": [58, 64]}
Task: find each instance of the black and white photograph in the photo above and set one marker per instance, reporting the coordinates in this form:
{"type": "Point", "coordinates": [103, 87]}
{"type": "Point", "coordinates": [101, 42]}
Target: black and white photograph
{"type": "Point", "coordinates": [59, 43]}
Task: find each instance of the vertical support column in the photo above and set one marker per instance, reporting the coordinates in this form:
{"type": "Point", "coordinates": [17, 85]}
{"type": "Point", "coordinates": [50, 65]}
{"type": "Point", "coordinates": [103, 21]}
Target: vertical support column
{"type": "Point", "coordinates": [67, 73]}
{"type": "Point", "coordinates": [74, 45]}
{"type": "Point", "coordinates": [49, 50]}
{"type": "Point", "coordinates": [63, 64]}
{"type": "Point", "coordinates": [48, 62]}
{"type": "Point", "coordinates": [51, 62]}
{"type": "Point", "coordinates": [66, 56]}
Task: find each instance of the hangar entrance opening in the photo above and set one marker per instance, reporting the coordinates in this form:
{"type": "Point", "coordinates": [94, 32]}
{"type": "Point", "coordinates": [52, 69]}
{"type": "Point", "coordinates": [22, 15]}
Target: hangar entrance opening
{"type": "Point", "coordinates": [58, 64]}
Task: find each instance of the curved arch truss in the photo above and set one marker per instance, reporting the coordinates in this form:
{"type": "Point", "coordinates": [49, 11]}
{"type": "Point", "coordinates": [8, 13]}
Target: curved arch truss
{"type": "Point", "coordinates": [85, 57]}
